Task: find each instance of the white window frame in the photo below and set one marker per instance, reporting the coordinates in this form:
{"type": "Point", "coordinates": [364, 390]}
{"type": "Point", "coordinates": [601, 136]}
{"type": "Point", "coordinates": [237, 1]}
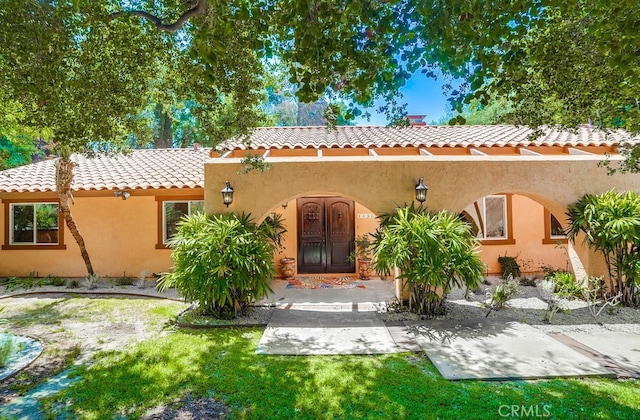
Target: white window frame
{"type": "Point", "coordinates": [35, 242]}
{"type": "Point", "coordinates": [165, 239]}
{"type": "Point", "coordinates": [505, 215]}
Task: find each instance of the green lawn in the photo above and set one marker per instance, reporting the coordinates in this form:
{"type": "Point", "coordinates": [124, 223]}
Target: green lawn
{"type": "Point", "coordinates": [222, 363]}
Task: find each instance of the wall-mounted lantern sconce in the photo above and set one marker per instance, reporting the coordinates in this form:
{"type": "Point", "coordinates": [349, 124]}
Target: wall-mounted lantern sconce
{"type": "Point", "coordinates": [227, 194]}
{"type": "Point", "coordinates": [123, 194]}
{"type": "Point", "coordinates": [285, 204]}
{"type": "Point", "coordinates": [421, 191]}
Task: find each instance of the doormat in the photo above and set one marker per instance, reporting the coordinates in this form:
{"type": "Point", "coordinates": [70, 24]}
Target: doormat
{"type": "Point", "coordinates": [321, 282]}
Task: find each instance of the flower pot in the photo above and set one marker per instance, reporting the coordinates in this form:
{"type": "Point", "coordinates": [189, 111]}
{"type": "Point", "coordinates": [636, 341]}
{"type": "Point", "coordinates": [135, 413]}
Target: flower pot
{"type": "Point", "coordinates": [288, 267]}
{"type": "Point", "coordinates": [364, 268]}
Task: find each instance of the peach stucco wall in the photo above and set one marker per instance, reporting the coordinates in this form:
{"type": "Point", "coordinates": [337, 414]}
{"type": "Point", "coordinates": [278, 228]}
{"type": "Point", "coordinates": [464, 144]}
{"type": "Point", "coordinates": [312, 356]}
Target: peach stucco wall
{"type": "Point", "coordinates": [380, 183]}
{"type": "Point", "coordinates": [528, 227]}
{"type": "Point", "coordinates": [120, 236]}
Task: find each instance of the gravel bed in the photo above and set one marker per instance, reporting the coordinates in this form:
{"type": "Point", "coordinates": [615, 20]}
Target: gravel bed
{"type": "Point", "coordinates": [104, 286]}
{"type": "Point", "coordinates": [530, 308]}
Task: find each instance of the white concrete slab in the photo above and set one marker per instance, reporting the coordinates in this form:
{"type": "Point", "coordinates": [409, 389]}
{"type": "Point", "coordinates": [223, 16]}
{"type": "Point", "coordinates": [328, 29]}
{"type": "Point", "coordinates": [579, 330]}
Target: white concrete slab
{"type": "Point", "coordinates": [375, 291]}
{"type": "Point", "coordinates": [499, 351]}
{"type": "Point", "coordinates": [621, 347]}
{"type": "Point", "coordinates": [306, 332]}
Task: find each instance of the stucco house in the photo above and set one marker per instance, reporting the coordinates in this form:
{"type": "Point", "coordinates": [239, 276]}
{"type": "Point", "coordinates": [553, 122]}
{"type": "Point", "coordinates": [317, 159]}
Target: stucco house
{"type": "Point", "coordinates": [329, 185]}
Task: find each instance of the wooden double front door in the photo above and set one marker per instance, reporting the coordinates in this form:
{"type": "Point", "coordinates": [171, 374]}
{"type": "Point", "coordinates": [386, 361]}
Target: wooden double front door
{"type": "Point", "coordinates": [326, 233]}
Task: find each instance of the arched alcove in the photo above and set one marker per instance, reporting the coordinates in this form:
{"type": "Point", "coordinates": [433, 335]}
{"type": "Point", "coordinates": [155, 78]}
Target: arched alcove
{"type": "Point", "coordinates": [516, 225]}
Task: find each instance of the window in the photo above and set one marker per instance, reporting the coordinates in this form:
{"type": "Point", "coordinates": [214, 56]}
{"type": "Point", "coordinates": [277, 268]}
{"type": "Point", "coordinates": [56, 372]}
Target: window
{"type": "Point", "coordinates": [172, 211]}
{"type": "Point", "coordinates": [553, 231]}
{"type": "Point", "coordinates": [32, 225]}
{"type": "Point", "coordinates": [491, 219]}
{"type": "Point", "coordinates": [495, 217]}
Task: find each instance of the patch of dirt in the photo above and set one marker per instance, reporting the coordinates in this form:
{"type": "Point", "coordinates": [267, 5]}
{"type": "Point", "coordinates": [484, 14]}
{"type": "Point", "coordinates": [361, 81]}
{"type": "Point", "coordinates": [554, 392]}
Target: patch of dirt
{"type": "Point", "coordinates": [188, 409]}
{"type": "Point", "coordinates": [71, 333]}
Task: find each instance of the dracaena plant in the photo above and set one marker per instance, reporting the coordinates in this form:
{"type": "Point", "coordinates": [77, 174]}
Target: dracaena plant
{"type": "Point", "coordinates": [434, 252]}
{"type": "Point", "coordinates": [222, 262]}
{"type": "Point", "coordinates": [609, 224]}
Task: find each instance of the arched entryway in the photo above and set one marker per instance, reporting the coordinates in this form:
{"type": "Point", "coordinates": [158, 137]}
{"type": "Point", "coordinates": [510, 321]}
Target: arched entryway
{"type": "Point", "coordinates": [321, 232]}
{"type": "Point", "coordinates": [325, 227]}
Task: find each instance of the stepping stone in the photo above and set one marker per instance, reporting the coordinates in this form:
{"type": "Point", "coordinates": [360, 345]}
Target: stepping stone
{"type": "Point", "coordinates": [306, 332]}
{"type": "Point", "coordinates": [621, 347]}
{"type": "Point", "coordinates": [499, 351]}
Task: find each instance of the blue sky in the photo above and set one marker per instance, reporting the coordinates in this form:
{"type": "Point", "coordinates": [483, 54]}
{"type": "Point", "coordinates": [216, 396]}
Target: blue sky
{"type": "Point", "coordinates": [423, 96]}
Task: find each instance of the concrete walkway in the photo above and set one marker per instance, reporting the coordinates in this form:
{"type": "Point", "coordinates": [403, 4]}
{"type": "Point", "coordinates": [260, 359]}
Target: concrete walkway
{"type": "Point", "coordinates": [499, 351]}
{"type": "Point", "coordinates": [328, 321]}
{"type": "Point", "coordinates": [316, 329]}
{"type": "Point", "coordinates": [374, 291]}
{"type": "Point", "coordinates": [334, 321]}
{"type": "Point", "coordinates": [479, 349]}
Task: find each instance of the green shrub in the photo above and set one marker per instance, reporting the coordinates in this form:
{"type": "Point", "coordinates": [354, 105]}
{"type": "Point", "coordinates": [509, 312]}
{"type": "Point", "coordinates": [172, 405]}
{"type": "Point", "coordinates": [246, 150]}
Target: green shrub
{"type": "Point", "coordinates": [222, 262]}
{"type": "Point", "coordinates": [509, 267]}
{"type": "Point", "coordinates": [55, 281]}
{"type": "Point", "coordinates": [565, 284]}
{"type": "Point", "coordinates": [609, 222]}
{"type": "Point", "coordinates": [29, 282]}
{"type": "Point", "coordinates": [434, 252]}
{"type": "Point", "coordinates": [7, 348]}
{"type": "Point", "coordinates": [502, 294]}
{"type": "Point", "coordinates": [124, 281]}
{"type": "Point", "coordinates": [92, 280]}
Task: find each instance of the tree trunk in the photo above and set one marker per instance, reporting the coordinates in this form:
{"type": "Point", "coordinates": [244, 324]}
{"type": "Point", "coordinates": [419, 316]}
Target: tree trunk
{"type": "Point", "coordinates": [164, 137]}
{"type": "Point", "coordinates": [64, 177]}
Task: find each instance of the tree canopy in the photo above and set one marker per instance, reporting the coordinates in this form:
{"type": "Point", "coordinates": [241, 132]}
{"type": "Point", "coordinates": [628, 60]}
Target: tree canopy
{"type": "Point", "coordinates": [559, 62]}
{"type": "Point", "coordinates": [85, 70]}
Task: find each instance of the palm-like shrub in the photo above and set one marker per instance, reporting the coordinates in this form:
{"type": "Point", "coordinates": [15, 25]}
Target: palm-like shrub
{"type": "Point", "coordinates": [222, 262]}
{"type": "Point", "coordinates": [611, 225]}
{"type": "Point", "coordinates": [433, 252]}
{"type": "Point", "coordinates": [7, 348]}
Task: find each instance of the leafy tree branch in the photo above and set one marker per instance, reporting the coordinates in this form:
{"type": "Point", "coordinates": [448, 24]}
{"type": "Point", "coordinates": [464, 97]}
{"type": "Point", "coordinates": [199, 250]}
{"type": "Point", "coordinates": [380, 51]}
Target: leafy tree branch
{"type": "Point", "coordinates": [198, 7]}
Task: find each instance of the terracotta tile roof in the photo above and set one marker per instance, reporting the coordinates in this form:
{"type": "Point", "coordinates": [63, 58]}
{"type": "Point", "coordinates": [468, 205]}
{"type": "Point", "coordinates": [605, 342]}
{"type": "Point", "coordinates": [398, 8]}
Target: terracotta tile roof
{"type": "Point", "coordinates": [184, 168]}
{"type": "Point", "coordinates": [421, 136]}
{"type": "Point", "coordinates": [140, 169]}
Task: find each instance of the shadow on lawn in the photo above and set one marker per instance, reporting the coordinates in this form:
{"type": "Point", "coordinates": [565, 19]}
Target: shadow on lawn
{"type": "Point", "coordinates": [51, 313]}
{"type": "Point", "coordinates": [222, 364]}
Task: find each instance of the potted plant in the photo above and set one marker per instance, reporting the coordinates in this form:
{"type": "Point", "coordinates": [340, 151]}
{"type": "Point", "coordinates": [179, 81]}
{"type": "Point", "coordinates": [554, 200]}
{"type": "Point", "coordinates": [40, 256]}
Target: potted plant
{"type": "Point", "coordinates": [362, 254]}
{"type": "Point", "coordinates": [273, 226]}
{"type": "Point", "coordinates": [287, 267]}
